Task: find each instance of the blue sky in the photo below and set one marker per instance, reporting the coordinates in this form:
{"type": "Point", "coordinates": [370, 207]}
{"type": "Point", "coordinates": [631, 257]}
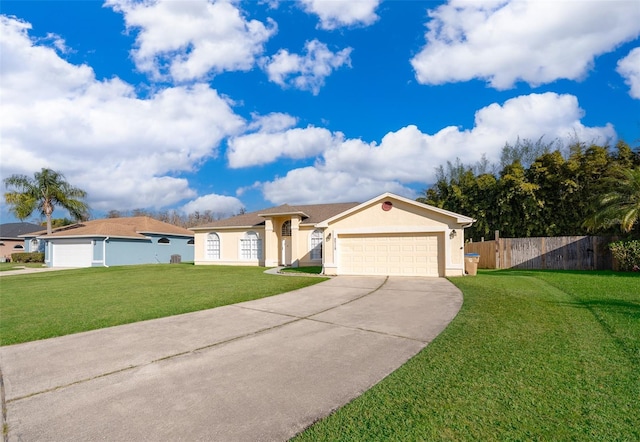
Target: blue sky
{"type": "Point", "coordinates": [217, 105]}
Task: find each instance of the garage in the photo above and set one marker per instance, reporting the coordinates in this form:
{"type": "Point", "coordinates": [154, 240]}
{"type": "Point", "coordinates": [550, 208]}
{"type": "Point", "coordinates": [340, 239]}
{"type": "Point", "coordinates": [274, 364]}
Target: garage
{"type": "Point", "coordinates": [72, 253]}
{"type": "Point", "coordinates": [408, 254]}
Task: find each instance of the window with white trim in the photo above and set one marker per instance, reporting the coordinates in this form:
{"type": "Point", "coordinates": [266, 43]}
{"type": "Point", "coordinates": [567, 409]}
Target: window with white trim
{"type": "Point", "coordinates": [316, 245]}
{"type": "Point", "coordinates": [251, 246]}
{"type": "Point", "coordinates": [213, 246]}
{"type": "Point", "coordinates": [286, 228]}
{"type": "Point", "coordinates": [164, 240]}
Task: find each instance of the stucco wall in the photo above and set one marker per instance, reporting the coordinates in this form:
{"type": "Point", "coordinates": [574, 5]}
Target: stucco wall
{"type": "Point", "coordinates": [229, 247]}
{"type": "Point", "coordinates": [304, 247]}
{"type": "Point", "coordinates": [10, 246]}
{"type": "Point", "coordinates": [128, 252]}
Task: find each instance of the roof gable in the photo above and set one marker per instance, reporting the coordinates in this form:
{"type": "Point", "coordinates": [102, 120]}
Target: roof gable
{"type": "Point", "coordinates": [461, 219]}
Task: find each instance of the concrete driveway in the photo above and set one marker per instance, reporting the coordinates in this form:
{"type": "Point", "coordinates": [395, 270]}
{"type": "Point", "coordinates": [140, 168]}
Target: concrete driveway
{"type": "Point", "coordinates": [260, 370]}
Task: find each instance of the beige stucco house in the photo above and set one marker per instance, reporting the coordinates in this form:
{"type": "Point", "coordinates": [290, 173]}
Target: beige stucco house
{"type": "Point", "coordinates": [387, 235]}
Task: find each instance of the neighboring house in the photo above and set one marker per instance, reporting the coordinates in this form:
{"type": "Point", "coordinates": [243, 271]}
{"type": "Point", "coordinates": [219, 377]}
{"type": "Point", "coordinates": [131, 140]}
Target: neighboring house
{"type": "Point", "coordinates": [115, 242]}
{"type": "Point", "coordinates": [11, 242]}
{"type": "Point", "coordinates": [387, 235]}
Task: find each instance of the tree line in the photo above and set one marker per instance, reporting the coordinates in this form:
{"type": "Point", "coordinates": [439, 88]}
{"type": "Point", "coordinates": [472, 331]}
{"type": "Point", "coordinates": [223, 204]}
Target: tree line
{"type": "Point", "coordinates": [174, 217]}
{"type": "Point", "coordinates": [544, 189]}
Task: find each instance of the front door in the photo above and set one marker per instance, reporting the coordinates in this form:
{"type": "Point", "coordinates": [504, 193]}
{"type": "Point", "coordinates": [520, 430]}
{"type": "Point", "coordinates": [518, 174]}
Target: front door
{"type": "Point", "coordinates": [286, 251]}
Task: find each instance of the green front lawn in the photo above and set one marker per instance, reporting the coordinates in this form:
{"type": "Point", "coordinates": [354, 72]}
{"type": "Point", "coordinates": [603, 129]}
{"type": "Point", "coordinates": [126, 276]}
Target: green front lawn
{"type": "Point", "coordinates": [531, 356]}
{"type": "Point", "coordinates": [44, 305]}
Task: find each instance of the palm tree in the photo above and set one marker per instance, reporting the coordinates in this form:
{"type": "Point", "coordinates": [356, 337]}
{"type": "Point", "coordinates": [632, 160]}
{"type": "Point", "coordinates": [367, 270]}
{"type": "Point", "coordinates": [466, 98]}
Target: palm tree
{"type": "Point", "coordinates": [621, 205]}
{"type": "Point", "coordinates": [44, 191]}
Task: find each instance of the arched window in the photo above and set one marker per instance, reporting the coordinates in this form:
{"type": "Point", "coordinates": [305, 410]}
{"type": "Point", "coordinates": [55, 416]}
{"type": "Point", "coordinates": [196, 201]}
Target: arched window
{"type": "Point", "coordinates": [316, 245]}
{"type": "Point", "coordinates": [251, 246]}
{"type": "Point", "coordinates": [286, 228]}
{"type": "Point", "coordinates": [213, 246]}
{"type": "Point", "coordinates": [18, 247]}
{"type": "Point", "coordinates": [164, 240]}
{"type": "Point", "coordinates": [191, 242]}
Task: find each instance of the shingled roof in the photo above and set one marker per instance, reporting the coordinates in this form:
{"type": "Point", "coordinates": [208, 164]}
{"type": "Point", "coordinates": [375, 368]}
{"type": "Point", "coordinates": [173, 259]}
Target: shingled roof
{"type": "Point", "coordinates": [14, 230]}
{"type": "Point", "coordinates": [311, 214]}
{"type": "Point", "coordinates": [131, 227]}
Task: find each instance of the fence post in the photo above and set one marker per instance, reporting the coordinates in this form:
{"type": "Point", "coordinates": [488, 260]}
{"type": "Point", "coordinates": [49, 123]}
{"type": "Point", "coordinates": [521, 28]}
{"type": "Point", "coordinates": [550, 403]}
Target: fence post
{"type": "Point", "coordinates": [497, 249]}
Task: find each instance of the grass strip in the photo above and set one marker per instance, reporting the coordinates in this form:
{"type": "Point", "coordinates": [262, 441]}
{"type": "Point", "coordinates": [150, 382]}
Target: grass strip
{"type": "Point", "coordinates": [44, 305]}
{"type": "Point", "coordinates": [310, 270]}
{"type": "Point", "coordinates": [530, 356]}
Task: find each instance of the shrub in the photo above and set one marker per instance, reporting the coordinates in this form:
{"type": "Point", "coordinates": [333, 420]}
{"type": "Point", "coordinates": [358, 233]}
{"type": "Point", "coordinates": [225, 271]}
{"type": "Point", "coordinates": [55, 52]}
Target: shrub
{"type": "Point", "coordinates": [627, 254]}
{"type": "Point", "coordinates": [27, 257]}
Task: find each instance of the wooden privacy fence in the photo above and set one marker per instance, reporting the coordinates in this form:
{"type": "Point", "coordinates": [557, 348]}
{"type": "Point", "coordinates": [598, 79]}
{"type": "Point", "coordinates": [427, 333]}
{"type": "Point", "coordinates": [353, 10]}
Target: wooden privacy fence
{"type": "Point", "coordinates": [550, 253]}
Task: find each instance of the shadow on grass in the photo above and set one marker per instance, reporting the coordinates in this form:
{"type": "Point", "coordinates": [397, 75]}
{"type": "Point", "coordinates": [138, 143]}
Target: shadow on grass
{"type": "Point", "coordinates": [520, 272]}
{"type": "Point", "coordinates": [610, 306]}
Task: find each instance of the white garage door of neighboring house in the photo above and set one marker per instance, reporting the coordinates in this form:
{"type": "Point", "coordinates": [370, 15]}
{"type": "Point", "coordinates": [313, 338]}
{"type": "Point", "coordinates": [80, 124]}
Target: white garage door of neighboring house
{"type": "Point", "coordinates": [76, 253]}
{"type": "Point", "coordinates": [389, 254]}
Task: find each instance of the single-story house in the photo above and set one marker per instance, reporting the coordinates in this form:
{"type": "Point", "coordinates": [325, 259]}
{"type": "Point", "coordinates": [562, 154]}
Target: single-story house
{"type": "Point", "coordinates": [10, 240]}
{"type": "Point", "coordinates": [387, 235]}
{"type": "Point", "coordinates": [115, 242]}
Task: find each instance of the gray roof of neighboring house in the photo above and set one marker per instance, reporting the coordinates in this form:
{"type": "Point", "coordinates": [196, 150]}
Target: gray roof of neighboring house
{"type": "Point", "coordinates": [14, 230]}
{"type": "Point", "coordinates": [311, 214]}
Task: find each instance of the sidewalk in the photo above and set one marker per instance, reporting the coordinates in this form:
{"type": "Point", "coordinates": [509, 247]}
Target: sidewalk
{"type": "Point", "coordinates": [30, 270]}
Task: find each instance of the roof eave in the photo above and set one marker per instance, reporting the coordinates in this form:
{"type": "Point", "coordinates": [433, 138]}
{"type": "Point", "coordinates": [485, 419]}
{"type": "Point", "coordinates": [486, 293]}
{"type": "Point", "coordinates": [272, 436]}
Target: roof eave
{"type": "Point", "coordinates": [100, 235]}
{"type": "Point", "coordinates": [295, 212]}
{"type": "Point", "coordinates": [143, 232]}
{"type": "Point", "coordinates": [202, 228]}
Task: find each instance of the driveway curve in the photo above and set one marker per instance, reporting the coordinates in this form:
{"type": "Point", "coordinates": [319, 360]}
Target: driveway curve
{"type": "Point", "coordinates": [260, 370]}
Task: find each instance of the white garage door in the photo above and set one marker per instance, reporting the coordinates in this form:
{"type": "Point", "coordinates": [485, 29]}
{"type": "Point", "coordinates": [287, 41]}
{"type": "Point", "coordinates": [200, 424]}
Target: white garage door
{"type": "Point", "coordinates": [392, 254]}
{"type": "Point", "coordinates": [72, 253]}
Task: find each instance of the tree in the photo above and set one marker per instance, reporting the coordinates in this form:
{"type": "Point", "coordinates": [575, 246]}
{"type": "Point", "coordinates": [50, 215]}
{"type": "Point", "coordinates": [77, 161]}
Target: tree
{"type": "Point", "coordinates": [621, 205]}
{"type": "Point", "coordinates": [518, 203]}
{"type": "Point", "coordinates": [46, 190]}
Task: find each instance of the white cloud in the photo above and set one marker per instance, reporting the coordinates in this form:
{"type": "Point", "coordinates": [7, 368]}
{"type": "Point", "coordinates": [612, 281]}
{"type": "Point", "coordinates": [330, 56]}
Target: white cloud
{"type": "Point", "coordinates": [311, 185]}
{"type": "Point", "coordinates": [356, 170]}
{"type": "Point", "coordinates": [221, 205]}
{"type": "Point", "coordinates": [629, 68]}
{"type": "Point", "coordinates": [533, 41]}
{"type": "Point", "coordinates": [123, 150]}
{"type": "Point", "coordinates": [306, 72]}
{"type": "Point", "coordinates": [204, 37]}
{"type": "Point", "coordinates": [273, 122]}
{"type": "Point", "coordinates": [261, 148]}
{"type": "Point", "coordinates": [339, 13]}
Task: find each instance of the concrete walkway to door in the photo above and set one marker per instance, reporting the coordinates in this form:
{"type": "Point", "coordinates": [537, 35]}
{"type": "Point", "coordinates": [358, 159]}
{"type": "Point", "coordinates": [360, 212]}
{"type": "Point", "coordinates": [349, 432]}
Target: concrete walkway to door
{"type": "Point", "coordinates": [260, 370]}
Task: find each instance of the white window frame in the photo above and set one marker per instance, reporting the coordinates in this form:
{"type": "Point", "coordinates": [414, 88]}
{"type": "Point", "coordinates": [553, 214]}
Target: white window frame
{"type": "Point", "coordinates": [286, 228]}
{"type": "Point", "coordinates": [316, 240]}
{"type": "Point", "coordinates": [250, 247]}
{"type": "Point", "coordinates": [212, 246]}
